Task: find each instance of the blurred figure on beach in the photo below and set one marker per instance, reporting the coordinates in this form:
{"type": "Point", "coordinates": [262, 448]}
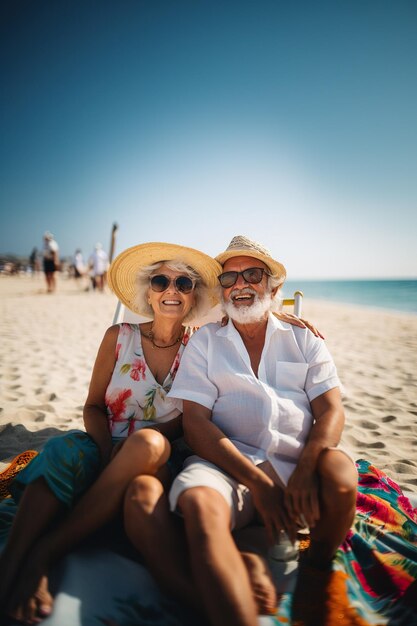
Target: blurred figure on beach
{"type": "Point", "coordinates": [98, 264]}
{"type": "Point", "coordinates": [78, 269]}
{"type": "Point", "coordinates": [78, 264]}
{"type": "Point", "coordinates": [50, 260]}
{"type": "Point", "coordinates": [34, 262]}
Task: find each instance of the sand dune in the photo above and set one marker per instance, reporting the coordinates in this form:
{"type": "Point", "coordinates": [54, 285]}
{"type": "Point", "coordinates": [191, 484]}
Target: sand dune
{"type": "Point", "coordinates": [49, 343]}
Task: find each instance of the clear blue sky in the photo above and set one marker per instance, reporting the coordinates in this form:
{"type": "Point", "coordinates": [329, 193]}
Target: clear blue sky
{"type": "Point", "coordinates": [192, 121]}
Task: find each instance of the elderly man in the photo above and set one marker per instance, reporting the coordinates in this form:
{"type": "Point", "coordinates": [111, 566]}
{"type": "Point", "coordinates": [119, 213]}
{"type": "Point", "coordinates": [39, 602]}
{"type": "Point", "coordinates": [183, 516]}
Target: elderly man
{"type": "Point", "coordinates": [263, 412]}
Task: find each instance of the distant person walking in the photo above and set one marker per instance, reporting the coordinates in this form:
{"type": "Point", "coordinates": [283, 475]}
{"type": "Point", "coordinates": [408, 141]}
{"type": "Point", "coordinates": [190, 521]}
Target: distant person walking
{"type": "Point", "coordinates": [34, 262]}
{"type": "Point", "coordinates": [50, 260]}
{"type": "Point", "coordinates": [98, 263]}
{"type": "Point", "coordinates": [78, 264]}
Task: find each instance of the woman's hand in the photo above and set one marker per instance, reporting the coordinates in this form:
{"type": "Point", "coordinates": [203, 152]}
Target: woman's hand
{"type": "Point", "coordinates": [292, 319]}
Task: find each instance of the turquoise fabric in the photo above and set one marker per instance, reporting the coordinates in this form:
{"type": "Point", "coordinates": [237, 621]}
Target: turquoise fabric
{"type": "Point", "coordinates": [68, 463]}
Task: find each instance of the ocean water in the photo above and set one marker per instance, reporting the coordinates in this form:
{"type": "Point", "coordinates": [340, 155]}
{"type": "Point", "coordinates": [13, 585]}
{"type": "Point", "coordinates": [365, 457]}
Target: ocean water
{"type": "Point", "coordinates": [394, 295]}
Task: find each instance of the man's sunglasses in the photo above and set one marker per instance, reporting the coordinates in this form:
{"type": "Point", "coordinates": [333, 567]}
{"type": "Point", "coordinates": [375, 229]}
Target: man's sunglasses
{"type": "Point", "coordinates": [160, 283]}
{"type": "Point", "coordinates": [253, 276]}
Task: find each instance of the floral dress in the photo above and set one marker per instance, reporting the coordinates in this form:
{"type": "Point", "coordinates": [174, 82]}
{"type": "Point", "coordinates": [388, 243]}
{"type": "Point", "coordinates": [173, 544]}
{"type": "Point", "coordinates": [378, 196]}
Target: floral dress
{"type": "Point", "coordinates": [133, 397]}
{"type": "Point", "coordinates": [71, 462]}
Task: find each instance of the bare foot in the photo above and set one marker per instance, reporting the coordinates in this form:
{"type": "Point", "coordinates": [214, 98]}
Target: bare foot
{"type": "Point", "coordinates": [261, 582]}
{"type": "Point", "coordinates": [37, 607]}
{"type": "Point", "coordinates": [9, 568]}
{"type": "Point", "coordinates": [30, 600]}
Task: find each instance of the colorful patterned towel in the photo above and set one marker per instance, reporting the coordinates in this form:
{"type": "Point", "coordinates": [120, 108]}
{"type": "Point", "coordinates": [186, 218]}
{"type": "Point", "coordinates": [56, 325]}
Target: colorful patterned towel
{"type": "Point", "coordinates": [374, 578]}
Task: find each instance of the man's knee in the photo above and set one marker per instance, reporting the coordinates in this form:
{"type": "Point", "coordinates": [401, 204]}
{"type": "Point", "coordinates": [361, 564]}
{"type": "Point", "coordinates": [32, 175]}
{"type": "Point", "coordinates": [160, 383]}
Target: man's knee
{"type": "Point", "coordinates": [204, 508]}
{"type": "Point", "coordinates": [141, 495]}
{"type": "Point", "coordinates": [337, 474]}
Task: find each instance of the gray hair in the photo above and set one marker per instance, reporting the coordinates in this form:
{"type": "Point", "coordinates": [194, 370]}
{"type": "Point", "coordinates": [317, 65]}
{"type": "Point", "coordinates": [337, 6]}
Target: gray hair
{"type": "Point", "coordinates": [274, 281]}
{"type": "Point", "coordinates": [201, 291]}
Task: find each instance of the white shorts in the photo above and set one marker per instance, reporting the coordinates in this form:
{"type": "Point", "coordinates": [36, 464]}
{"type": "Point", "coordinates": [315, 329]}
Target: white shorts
{"type": "Point", "coordinates": [198, 472]}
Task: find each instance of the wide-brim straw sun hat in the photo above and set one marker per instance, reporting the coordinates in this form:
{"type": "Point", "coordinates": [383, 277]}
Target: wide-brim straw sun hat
{"type": "Point", "coordinates": [122, 273]}
{"type": "Point", "coordinates": [243, 246]}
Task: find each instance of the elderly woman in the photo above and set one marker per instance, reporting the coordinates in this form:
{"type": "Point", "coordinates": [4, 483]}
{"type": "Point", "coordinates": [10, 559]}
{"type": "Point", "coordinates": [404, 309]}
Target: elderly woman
{"type": "Point", "coordinates": [133, 429]}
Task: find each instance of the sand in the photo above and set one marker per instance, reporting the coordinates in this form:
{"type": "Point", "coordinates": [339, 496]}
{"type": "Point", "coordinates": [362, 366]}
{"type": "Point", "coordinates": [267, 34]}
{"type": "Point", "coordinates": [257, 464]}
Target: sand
{"type": "Point", "coordinates": [49, 343]}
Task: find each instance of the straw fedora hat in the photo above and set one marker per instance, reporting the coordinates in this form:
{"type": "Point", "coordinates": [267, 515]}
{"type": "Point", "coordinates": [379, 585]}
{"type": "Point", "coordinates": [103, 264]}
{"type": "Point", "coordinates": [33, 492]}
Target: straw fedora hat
{"type": "Point", "coordinates": [243, 246]}
{"type": "Point", "coordinates": [123, 271]}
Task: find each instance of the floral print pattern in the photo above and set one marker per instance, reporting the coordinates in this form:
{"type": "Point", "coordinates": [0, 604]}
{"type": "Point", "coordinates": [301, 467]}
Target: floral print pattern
{"type": "Point", "coordinates": [138, 369]}
{"type": "Point", "coordinates": [133, 396]}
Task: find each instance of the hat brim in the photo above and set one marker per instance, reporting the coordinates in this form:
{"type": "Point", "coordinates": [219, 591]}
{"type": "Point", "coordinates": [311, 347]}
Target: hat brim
{"type": "Point", "coordinates": [122, 273]}
{"type": "Point", "coordinates": [277, 269]}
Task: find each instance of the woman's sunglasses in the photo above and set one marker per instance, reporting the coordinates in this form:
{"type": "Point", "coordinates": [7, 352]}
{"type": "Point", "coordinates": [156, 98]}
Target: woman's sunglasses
{"type": "Point", "coordinates": [160, 283]}
{"type": "Point", "coordinates": [253, 276]}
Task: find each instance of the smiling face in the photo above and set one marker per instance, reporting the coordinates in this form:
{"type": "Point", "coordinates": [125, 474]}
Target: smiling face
{"type": "Point", "coordinates": [245, 302]}
{"type": "Point", "coordinates": [171, 302]}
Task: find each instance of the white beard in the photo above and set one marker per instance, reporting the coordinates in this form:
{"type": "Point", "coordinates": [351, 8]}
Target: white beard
{"type": "Point", "coordinates": [248, 314]}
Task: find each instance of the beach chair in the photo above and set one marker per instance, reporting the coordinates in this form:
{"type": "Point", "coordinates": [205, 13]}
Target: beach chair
{"type": "Point", "coordinates": [296, 302]}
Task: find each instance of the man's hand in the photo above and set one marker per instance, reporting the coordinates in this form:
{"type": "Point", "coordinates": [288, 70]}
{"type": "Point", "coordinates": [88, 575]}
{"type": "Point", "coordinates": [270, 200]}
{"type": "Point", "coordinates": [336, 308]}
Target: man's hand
{"type": "Point", "coordinates": [301, 497]}
{"type": "Point", "coordinates": [268, 499]}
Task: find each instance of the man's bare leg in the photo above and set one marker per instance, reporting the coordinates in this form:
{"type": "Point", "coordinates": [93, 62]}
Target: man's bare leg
{"type": "Point", "coordinates": [338, 481]}
{"type": "Point", "coordinates": [217, 566]}
{"type": "Point", "coordinates": [159, 537]}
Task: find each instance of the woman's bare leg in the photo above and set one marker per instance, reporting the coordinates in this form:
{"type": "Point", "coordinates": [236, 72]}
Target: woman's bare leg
{"type": "Point", "coordinates": [217, 566]}
{"type": "Point", "coordinates": [38, 508]}
{"type": "Point", "coordinates": [143, 452]}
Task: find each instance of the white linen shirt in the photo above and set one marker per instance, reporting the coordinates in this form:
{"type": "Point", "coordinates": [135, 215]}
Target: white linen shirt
{"type": "Point", "coordinates": [269, 416]}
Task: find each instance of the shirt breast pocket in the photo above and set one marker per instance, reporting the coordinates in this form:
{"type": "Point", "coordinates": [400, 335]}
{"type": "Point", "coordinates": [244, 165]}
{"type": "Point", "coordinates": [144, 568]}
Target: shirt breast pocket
{"type": "Point", "coordinates": [291, 376]}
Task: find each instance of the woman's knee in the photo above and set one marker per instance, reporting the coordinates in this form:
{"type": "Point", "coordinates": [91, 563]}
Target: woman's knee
{"type": "Point", "coordinates": [148, 445]}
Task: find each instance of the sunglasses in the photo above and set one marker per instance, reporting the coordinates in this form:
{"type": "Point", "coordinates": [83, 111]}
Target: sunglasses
{"type": "Point", "coordinates": [160, 283]}
{"type": "Point", "coordinates": [253, 276]}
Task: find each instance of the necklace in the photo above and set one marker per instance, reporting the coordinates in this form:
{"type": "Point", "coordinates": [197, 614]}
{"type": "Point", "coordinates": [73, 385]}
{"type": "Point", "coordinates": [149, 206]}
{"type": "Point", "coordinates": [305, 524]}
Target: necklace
{"type": "Point", "coordinates": [150, 336]}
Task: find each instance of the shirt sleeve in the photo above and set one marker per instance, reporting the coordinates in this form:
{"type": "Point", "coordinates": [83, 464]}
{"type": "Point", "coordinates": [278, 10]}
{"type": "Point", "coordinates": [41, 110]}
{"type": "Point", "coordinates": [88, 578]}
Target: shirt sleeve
{"type": "Point", "coordinates": [321, 374]}
{"type": "Point", "coordinates": [192, 381]}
